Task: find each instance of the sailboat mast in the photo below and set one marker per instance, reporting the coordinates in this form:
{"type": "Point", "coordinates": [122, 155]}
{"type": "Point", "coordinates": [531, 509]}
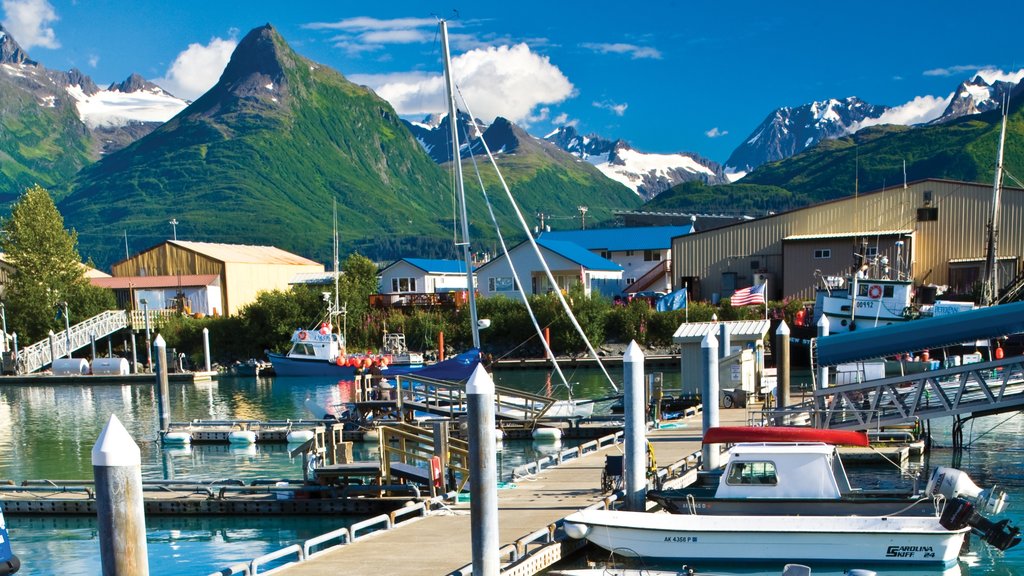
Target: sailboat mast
{"type": "Point", "coordinates": [990, 289]}
{"type": "Point", "coordinates": [335, 309]}
{"type": "Point", "coordinates": [460, 190]}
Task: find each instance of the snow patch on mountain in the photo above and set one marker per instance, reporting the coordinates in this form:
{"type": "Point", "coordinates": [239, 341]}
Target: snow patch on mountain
{"type": "Point", "coordinates": [112, 108]}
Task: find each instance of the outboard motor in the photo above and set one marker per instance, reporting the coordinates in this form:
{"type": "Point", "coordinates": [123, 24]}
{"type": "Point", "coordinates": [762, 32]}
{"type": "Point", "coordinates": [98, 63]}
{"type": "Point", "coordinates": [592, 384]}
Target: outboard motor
{"type": "Point", "coordinates": [9, 563]}
{"type": "Point", "coordinates": [960, 513]}
{"type": "Point", "coordinates": [953, 483]}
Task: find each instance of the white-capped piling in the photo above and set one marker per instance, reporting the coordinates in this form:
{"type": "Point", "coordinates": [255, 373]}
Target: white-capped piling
{"type": "Point", "coordinates": [823, 330]}
{"type": "Point", "coordinates": [709, 393]}
{"type": "Point", "coordinates": [206, 348]}
{"type": "Point", "coordinates": [483, 462]}
{"type": "Point", "coordinates": [163, 395]}
{"type": "Point", "coordinates": [636, 428]}
{"type": "Point", "coordinates": [135, 357]}
{"type": "Point", "coordinates": [782, 363]}
{"type": "Point", "coordinates": [120, 513]}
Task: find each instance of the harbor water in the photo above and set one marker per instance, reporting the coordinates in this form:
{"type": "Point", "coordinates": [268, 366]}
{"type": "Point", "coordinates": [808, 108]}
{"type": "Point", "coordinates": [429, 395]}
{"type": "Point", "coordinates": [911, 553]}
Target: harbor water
{"type": "Point", "coordinates": [48, 431]}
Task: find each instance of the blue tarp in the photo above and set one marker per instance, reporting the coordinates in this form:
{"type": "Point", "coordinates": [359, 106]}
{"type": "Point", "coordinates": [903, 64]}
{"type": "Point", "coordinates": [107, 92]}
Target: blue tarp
{"type": "Point", "coordinates": [454, 369]}
{"type": "Point", "coordinates": [923, 334]}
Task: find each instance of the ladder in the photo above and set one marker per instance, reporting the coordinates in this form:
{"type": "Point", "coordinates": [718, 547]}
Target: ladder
{"type": "Point", "coordinates": [37, 356]}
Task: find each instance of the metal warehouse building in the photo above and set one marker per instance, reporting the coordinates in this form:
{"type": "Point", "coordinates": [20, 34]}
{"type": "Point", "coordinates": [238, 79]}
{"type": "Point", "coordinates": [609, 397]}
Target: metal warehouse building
{"type": "Point", "coordinates": [942, 225]}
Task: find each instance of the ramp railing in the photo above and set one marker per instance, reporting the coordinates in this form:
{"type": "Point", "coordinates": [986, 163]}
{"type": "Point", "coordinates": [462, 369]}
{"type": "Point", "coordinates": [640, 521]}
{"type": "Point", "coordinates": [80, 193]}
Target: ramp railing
{"type": "Point", "coordinates": [37, 356]}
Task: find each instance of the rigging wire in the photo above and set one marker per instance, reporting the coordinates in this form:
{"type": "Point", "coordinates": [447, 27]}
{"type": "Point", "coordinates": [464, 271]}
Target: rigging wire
{"type": "Point", "coordinates": [536, 249]}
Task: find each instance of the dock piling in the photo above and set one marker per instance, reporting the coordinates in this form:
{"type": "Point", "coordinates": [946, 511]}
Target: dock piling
{"type": "Point", "coordinates": [782, 363]}
{"type": "Point", "coordinates": [206, 348]}
{"type": "Point", "coordinates": [709, 392]}
{"type": "Point", "coordinates": [636, 428]}
{"type": "Point", "coordinates": [117, 467]}
{"type": "Point", "coordinates": [135, 357]}
{"type": "Point", "coordinates": [162, 390]}
{"type": "Point", "coordinates": [53, 348]}
{"type": "Point", "coordinates": [92, 345]}
{"type": "Point", "coordinates": [483, 462]}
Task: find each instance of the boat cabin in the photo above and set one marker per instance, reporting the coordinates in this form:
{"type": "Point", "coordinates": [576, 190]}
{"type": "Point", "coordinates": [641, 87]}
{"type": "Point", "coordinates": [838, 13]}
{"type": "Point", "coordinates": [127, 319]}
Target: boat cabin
{"type": "Point", "coordinates": [316, 345]}
{"type": "Point", "coordinates": [783, 470]}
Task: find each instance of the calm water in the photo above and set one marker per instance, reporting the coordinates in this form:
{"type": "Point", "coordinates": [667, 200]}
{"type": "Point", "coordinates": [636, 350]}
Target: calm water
{"type": "Point", "coordinates": [48, 432]}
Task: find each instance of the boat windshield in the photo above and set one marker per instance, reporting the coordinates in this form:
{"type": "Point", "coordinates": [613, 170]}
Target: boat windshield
{"type": "Point", "coordinates": [302, 349]}
{"type": "Point", "coordinates": [758, 472]}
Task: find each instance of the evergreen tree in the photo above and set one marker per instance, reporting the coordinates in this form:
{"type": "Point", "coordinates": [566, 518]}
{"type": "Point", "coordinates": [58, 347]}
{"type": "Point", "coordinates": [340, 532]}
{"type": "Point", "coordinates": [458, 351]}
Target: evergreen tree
{"type": "Point", "coordinates": [48, 270]}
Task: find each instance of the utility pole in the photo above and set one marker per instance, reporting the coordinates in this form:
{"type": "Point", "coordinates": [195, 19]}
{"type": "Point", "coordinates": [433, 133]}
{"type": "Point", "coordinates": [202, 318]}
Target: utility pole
{"type": "Point", "coordinates": [542, 217]}
{"type": "Point", "coordinates": [583, 215]}
{"type": "Point", "coordinates": [174, 227]}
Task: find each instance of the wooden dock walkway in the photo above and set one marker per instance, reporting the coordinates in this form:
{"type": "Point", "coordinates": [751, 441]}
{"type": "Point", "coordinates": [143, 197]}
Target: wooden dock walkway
{"type": "Point", "coordinates": [440, 543]}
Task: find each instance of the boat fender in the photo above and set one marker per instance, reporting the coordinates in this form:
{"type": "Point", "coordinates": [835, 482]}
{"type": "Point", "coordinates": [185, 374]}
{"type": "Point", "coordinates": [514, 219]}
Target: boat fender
{"type": "Point", "coordinates": [302, 335]}
{"type": "Point", "coordinates": [875, 292]}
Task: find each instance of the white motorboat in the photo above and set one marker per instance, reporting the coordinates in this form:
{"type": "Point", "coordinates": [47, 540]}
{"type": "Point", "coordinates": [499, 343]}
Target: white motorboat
{"type": "Point", "coordinates": [863, 539]}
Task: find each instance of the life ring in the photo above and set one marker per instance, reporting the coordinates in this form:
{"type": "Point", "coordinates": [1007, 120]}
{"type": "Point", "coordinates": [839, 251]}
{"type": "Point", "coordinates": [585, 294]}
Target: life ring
{"type": "Point", "coordinates": [303, 335]}
{"type": "Point", "coordinates": [875, 292]}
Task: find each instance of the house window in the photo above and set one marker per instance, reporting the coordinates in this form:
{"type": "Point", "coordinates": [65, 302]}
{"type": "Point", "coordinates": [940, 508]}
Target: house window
{"type": "Point", "coordinates": [927, 214]}
{"type": "Point", "coordinates": [629, 252]}
{"type": "Point", "coordinates": [755, 264]}
{"type": "Point", "coordinates": [872, 251]}
{"type": "Point", "coordinates": [927, 197]}
{"type": "Point", "coordinates": [630, 281]}
{"type": "Point", "coordinates": [403, 284]}
{"type": "Point", "coordinates": [823, 254]}
{"type": "Point", "coordinates": [652, 255]}
{"type": "Point", "coordinates": [502, 284]}
{"type": "Point", "coordinates": [606, 255]}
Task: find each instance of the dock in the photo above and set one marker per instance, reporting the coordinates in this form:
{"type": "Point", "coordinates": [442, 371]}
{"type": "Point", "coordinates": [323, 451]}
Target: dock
{"type": "Point", "coordinates": [671, 360]}
{"type": "Point", "coordinates": [528, 513]}
{"type": "Point", "coordinates": [44, 379]}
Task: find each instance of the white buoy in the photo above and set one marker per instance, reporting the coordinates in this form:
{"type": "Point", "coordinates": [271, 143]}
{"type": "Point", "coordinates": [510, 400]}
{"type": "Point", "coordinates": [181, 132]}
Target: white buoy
{"type": "Point", "coordinates": [242, 437]}
{"type": "Point", "coordinates": [300, 436]}
{"type": "Point", "coordinates": [178, 438]}
{"type": "Point", "coordinates": [547, 434]}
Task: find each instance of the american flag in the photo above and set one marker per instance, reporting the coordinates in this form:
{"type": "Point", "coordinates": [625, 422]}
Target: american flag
{"type": "Point", "coordinates": [748, 296]}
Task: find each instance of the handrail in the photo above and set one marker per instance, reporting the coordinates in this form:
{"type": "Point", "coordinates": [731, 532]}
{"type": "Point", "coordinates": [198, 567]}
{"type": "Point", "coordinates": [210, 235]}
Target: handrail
{"type": "Point", "coordinates": [36, 356]}
{"type": "Point", "coordinates": [450, 398]}
{"type": "Point", "coordinates": [343, 535]}
{"type": "Point", "coordinates": [353, 529]}
{"type": "Point", "coordinates": [254, 566]}
{"type": "Point", "coordinates": [236, 570]}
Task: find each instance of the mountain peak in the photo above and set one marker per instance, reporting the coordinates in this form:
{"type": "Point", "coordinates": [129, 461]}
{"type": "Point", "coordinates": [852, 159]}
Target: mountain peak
{"type": "Point", "coordinates": [11, 52]}
{"type": "Point", "coordinates": [257, 56]}
{"type": "Point", "coordinates": [134, 83]}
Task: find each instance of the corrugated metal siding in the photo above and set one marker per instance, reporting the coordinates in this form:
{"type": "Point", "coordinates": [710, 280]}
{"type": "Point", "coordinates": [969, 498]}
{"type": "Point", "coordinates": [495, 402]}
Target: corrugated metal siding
{"type": "Point", "coordinates": [800, 264]}
{"type": "Point", "coordinates": [959, 231]}
{"type": "Point", "coordinates": [245, 281]}
{"type": "Point", "coordinates": [743, 329]}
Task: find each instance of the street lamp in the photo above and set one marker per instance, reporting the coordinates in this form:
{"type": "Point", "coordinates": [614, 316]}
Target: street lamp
{"type": "Point", "coordinates": [174, 227]}
{"type": "Point", "coordinates": [67, 326]}
{"type": "Point", "coordinates": [149, 343]}
{"type": "Point", "coordinates": [3, 317]}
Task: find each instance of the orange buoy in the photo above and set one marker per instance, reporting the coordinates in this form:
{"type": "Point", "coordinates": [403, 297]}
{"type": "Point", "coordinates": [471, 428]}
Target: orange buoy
{"type": "Point", "coordinates": [1000, 353]}
{"type": "Point", "coordinates": [340, 360]}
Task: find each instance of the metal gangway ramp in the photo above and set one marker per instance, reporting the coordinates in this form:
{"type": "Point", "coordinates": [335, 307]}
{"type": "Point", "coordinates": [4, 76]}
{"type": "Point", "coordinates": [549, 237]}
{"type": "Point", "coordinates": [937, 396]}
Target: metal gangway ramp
{"type": "Point", "coordinates": [981, 388]}
{"type": "Point", "coordinates": [37, 356]}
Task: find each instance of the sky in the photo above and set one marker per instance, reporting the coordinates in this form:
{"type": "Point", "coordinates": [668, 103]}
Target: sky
{"type": "Point", "coordinates": [666, 76]}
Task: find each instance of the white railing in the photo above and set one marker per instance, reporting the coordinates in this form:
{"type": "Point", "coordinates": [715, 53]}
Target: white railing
{"type": "Point", "coordinates": [36, 356]}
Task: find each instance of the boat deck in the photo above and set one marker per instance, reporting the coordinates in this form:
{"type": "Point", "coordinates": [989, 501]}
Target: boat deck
{"type": "Point", "coordinates": [442, 539]}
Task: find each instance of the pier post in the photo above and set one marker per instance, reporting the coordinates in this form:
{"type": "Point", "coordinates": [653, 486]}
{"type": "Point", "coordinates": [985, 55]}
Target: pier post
{"type": "Point", "coordinates": [110, 347]}
{"type": "Point", "coordinates": [440, 346]}
{"type": "Point", "coordinates": [163, 395]}
{"type": "Point", "coordinates": [149, 341]}
{"type": "Point", "coordinates": [135, 357]}
{"type": "Point", "coordinates": [92, 344]}
{"type": "Point", "coordinates": [547, 339]}
{"type": "Point", "coordinates": [121, 517]}
{"type": "Point", "coordinates": [440, 430]}
{"type": "Point", "coordinates": [483, 462]}
{"type": "Point", "coordinates": [823, 330]}
{"type": "Point", "coordinates": [14, 341]}
{"type": "Point", "coordinates": [53, 349]}
{"type": "Point", "coordinates": [782, 363]}
{"type": "Point", "coordinates": [206, 348]}
{"type": "Point", "coordinates": [724, 340]}
{"type": "Point", "coordinates": [634, 411]}
{"type": "Point", "coordinates": [709, 393]}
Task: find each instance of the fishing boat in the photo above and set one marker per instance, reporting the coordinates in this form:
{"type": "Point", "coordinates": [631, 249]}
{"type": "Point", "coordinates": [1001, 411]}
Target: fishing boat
{"type": "Point", "coordinates": [395, 350]}
{"type": "Point", "coordinates": [864, 539]}
{"type": "Point", "coordinates": [784, 471]}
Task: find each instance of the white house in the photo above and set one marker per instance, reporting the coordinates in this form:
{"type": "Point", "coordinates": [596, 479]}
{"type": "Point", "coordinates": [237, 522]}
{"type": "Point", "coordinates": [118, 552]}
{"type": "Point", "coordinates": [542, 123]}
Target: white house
{"type": "Point", "coordinates": [643, 252]}
{"type": "Point", "coordinates": [569, 264]}
{"type": "Point", "coordinates": [423, 281]}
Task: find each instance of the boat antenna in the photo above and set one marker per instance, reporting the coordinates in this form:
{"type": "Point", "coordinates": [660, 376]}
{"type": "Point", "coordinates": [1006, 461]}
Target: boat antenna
{"type": "Point", "coordinates": [335, 308]}
{"type": "Point", "coordinates": [536, 251]}
{"type": "Point", "coordinates": [990, 288]}
{"type": "Point", "coordinates": [460, 190]}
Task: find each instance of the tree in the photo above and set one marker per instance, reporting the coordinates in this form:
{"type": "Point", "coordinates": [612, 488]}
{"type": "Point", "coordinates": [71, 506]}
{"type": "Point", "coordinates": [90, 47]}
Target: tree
{"type": "Point", "coordinates": [48, 269]}
{"type": "Point", "coordinates": [355, 286]}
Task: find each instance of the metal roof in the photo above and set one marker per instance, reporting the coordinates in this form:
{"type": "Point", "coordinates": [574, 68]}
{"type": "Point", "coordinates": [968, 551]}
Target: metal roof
{"type": "Point", "coordinates": [123, 282]}
{"type": "Point", "coordinates": [435, 266]}
{"type": "Point", "coordinates": [744, 329]}
{"type": "Point", "coordinates": [315, 278]}
{"type": "Point", "coordinates": [578, 254]}
{"type": "Point", "coordinates": [619, 239]}
{"type": "Point", "coordinates": [849, 234]}
{"type": "Point", "coordinates": [244, 254]}
{"type": "Point", "coordinates": [980, 324]}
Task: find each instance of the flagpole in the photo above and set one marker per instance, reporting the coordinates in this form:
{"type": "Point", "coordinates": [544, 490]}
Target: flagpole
{"type": "Point", "coordinates": [766, 298]}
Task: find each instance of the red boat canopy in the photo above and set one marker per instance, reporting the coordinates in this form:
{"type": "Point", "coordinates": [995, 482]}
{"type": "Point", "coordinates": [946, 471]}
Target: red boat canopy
{"type": "Point", "coordinates": [734, 434]}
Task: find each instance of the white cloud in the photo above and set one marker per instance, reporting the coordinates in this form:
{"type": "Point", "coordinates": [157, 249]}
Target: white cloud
{"type": "Point", "coordinates": [94, 60]}
{"type": "Point", "coordinates": [197, 68]}
{"type": "Point", "coordinates": [617, 109]}
{"type": "Point", "coordinates": [634, 51]}
{"type": "Point", "coordinates": [952, 70]}
{"type": "Point", "coordinates": [560, 120]}
{"type": "Point", "coordinates": [365, 23]}
{"type": "Point", "coordinates": [365, 34]}
{"type": "Point", "coordinates": [716, 133]}
{"type": "Point", "coordinates": [919, 110]}
{"type": "Point", "coordinates": [507, 81]}
{"type": "Point", "coordinates": [991, 75]}
{"type": "Point", "coordinates": [29, 21]}
{"type": "Point", "coordinates": [395, 37]}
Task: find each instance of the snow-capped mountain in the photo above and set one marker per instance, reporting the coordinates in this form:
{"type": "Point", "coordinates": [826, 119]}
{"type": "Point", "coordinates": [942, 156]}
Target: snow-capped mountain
{"type": "Point", "coordinates": [646, 174]}
{"type": "Point", "coordinates": [434, 134]}
{"type": "Point", "coordinates": [974, 97]}
{"type": "Point", "coordinates": [788, 131]}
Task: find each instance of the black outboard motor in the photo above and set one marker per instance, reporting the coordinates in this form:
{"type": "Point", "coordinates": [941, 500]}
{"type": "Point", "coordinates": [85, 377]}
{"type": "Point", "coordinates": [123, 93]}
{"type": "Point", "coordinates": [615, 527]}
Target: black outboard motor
{"type": "Point", "coordinates": [9, 563]}
{"type": "Point", "coordinates": [960, 513]}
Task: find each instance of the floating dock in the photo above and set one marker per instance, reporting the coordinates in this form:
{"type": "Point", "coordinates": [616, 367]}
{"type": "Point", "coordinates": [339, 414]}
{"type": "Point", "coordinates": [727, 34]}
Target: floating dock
{"type": "Point", "coordinates": [45, 379]}
{"type": "Point", "coordinates": [581, 362]}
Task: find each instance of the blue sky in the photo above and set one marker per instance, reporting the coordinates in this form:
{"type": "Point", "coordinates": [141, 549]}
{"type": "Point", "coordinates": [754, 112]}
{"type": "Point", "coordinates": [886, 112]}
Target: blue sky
{"type": "Point", "coordinates": [666, 76]}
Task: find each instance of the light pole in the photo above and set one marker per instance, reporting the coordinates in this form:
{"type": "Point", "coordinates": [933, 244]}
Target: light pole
{"type": "Point", "coordinates": [174, 227]}
{"type": "Point", "coordinates": [149, 343]}
{"type": "Point", "coordinates": [3, 318]}
{"type": "Point", "coordinates": [67, 327]}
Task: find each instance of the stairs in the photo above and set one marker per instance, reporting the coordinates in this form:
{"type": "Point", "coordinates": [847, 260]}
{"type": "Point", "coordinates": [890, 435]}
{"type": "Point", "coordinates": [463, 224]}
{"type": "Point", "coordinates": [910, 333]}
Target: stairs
{"type": "Point", "coordinates": [37, 356]}
{"type": "Point", "coordinates": [653, 275]}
